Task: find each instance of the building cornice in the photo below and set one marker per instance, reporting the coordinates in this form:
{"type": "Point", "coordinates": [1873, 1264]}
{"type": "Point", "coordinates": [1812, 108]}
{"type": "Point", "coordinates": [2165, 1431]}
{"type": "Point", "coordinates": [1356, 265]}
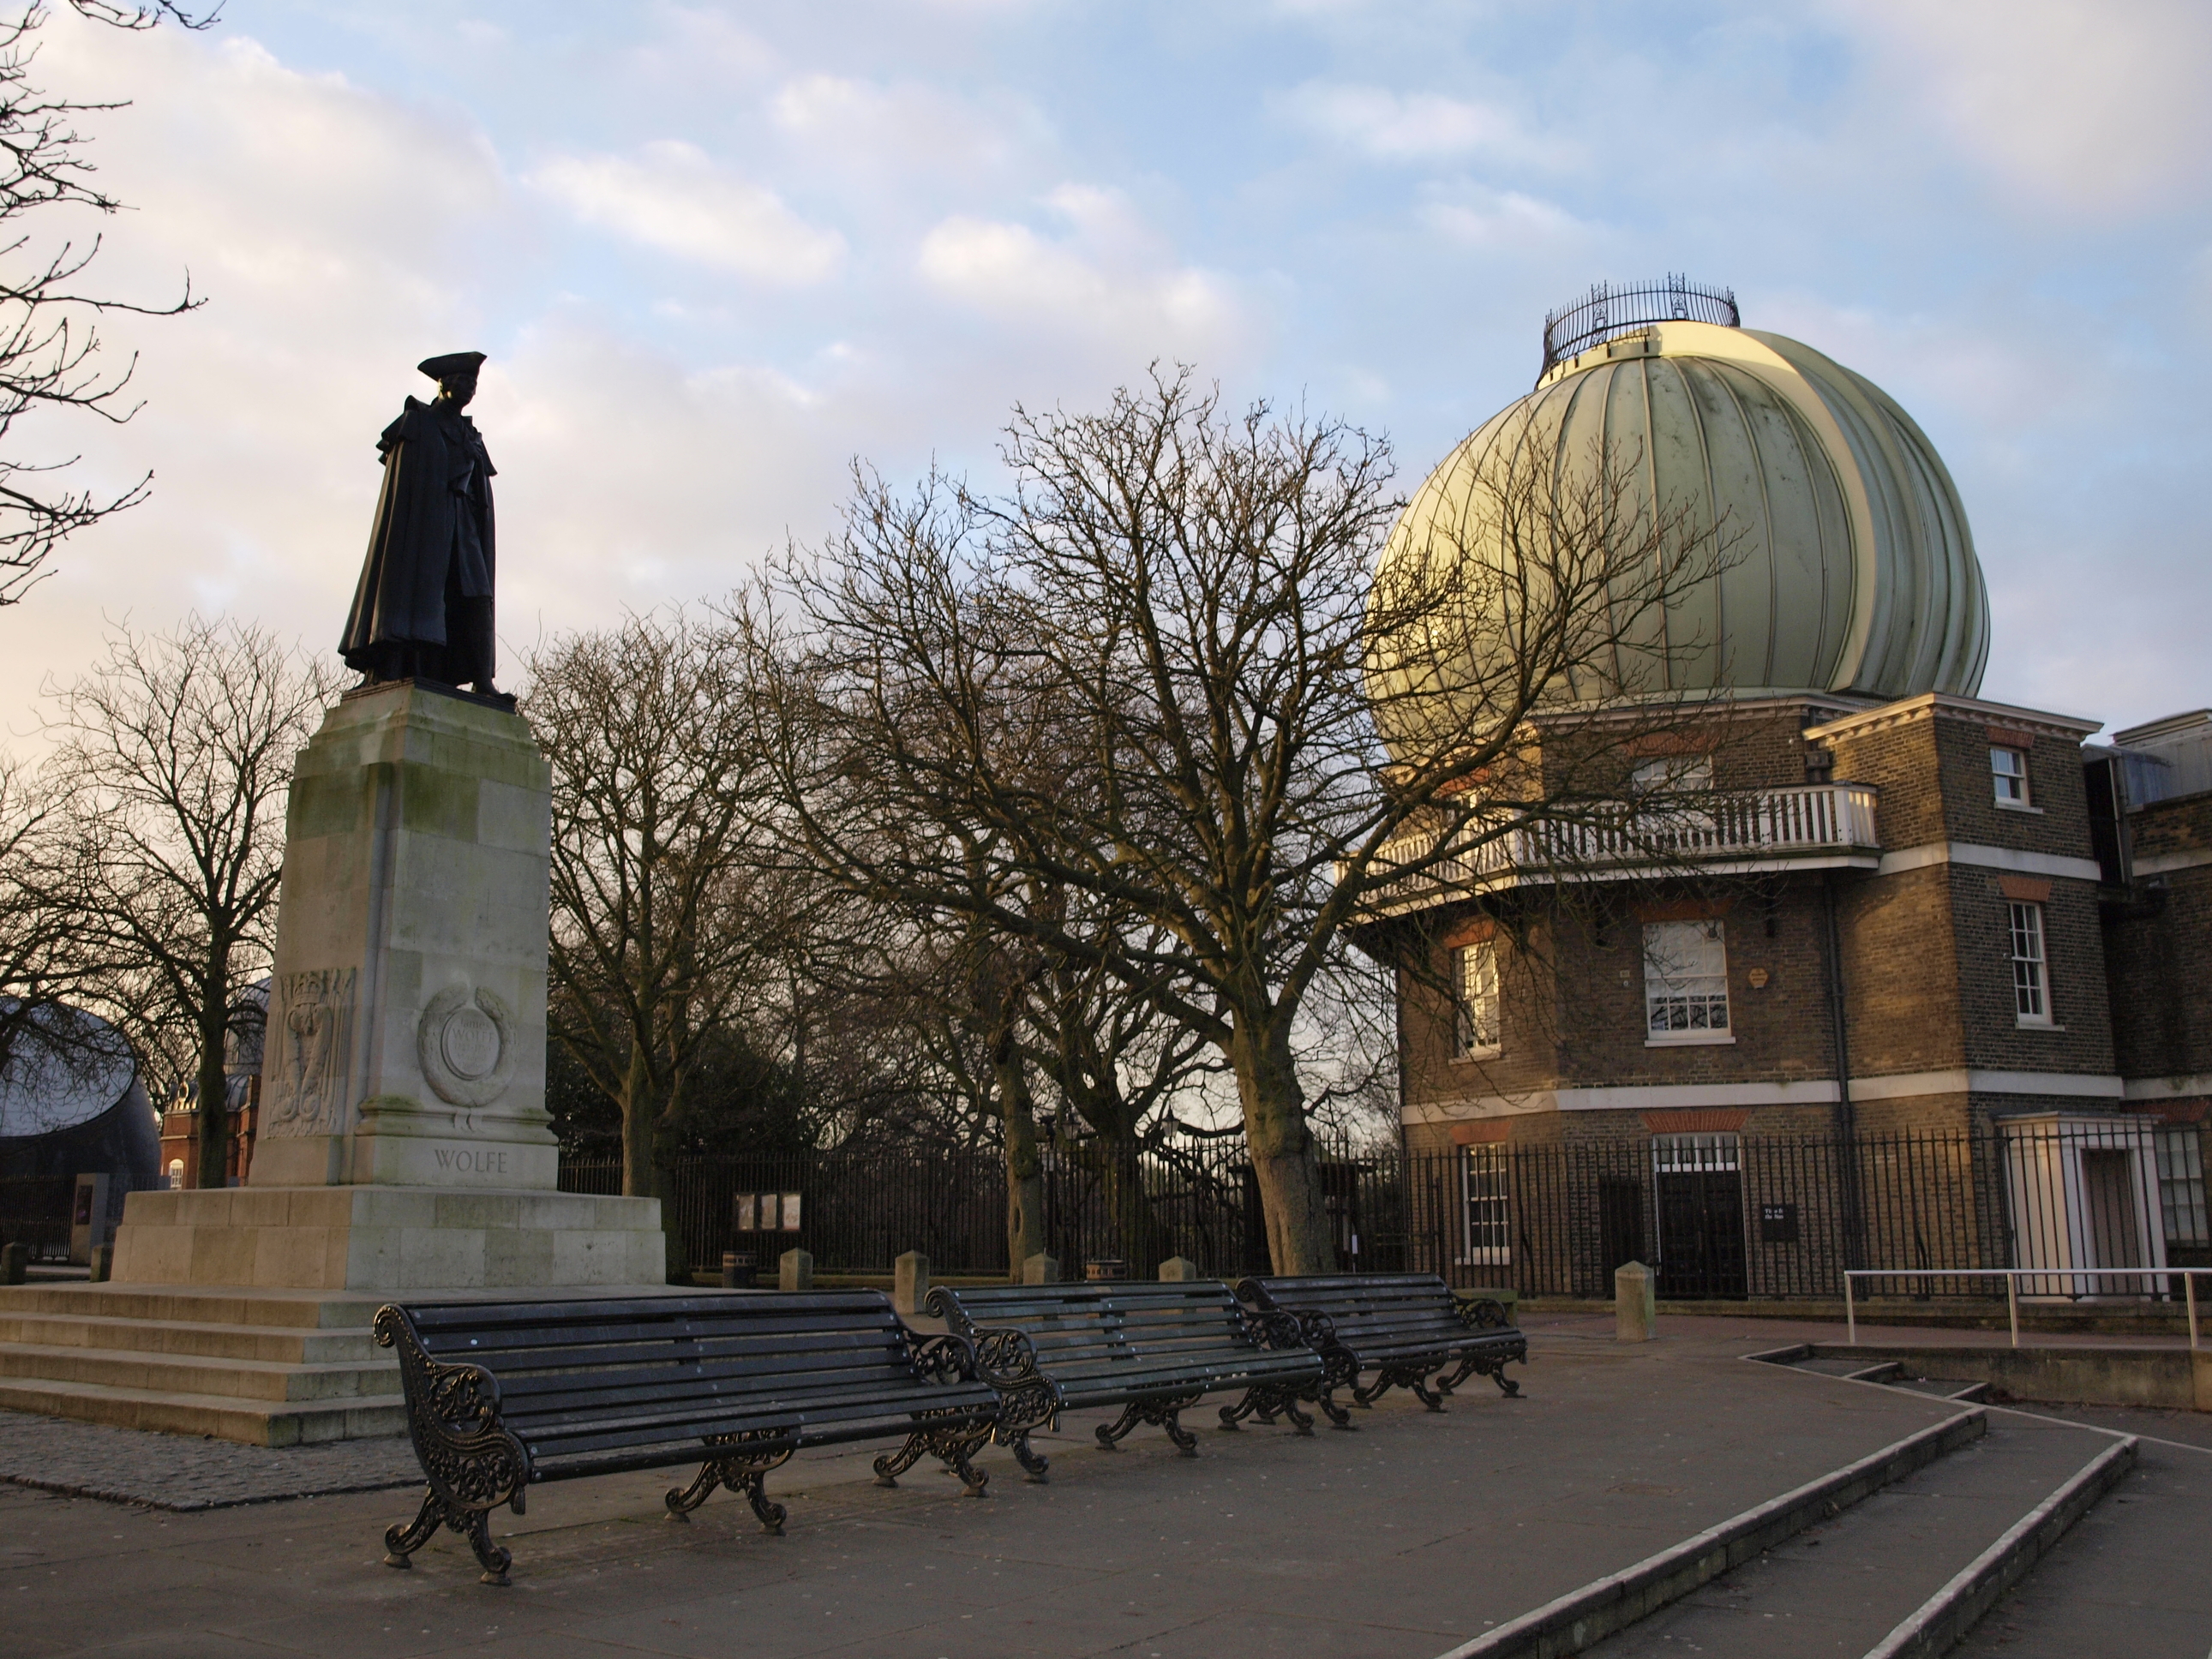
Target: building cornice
{"type": "Point", "coordinates": [2011, 858]}
{"type": "Point", "coordinates": [1942, 705]}
{"type": "Point", "coordinates": [1809, 1091]}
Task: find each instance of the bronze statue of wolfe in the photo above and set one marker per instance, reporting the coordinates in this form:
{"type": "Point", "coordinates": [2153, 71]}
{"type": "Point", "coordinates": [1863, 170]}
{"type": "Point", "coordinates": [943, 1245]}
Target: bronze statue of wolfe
{"type": "Point", "coordinates": [423, 609]}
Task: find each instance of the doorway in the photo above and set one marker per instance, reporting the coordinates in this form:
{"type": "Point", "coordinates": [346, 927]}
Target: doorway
{"type": "Point", "coordinates": [2108, 1190]}
{"type": "Point", "coordinates": [1699, 1189]}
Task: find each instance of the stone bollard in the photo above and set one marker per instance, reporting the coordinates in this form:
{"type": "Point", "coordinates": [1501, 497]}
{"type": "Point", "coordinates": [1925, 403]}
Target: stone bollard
{"type": "Point", "coordinates": [1179, 1267]}
{"type": "Point", "coordinates": [795, 1271]}
{"type": "Point", "coordinates": [103, 1259]}
{"type": "Point", "coordinates": [15, 1263]}
{"type": "Point", "coordinates": [911, 1282]}
{"type": "Point", "coordinates": [1040, 1270]}
{"type": "Point", "coordinates": [1635, 1302]}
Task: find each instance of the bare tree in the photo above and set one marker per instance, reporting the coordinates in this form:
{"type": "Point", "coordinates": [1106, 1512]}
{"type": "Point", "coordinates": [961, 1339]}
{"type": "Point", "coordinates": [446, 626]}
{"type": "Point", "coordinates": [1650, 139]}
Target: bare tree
{"type": "Point", "coordinates": [50, 341]}
{"type": "Point", "coordinates": [666, 922]}
{"type": "Point", "coordinates": [173, 759]}
{"type": "Point", "coordinates": [1180, 604]}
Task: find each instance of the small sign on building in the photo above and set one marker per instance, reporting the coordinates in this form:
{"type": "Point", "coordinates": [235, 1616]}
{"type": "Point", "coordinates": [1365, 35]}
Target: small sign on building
{"type": "Point", "coordinates": [1778, 1224]}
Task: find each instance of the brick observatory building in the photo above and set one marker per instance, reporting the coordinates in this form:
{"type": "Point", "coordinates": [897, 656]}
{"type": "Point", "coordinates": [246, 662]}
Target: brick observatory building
{"type": "Point", "coordinates": [1865, 971]}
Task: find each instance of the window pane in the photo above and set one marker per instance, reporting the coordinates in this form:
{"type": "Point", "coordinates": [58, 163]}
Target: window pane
{"type": "Point", "coordinates": [2181, 1186]}
{"type": "Point", "coordinates": [2008, 770]}
{"type": "Point", "coordinates": [1474, 987]}
{"type": "Point", "coordinates": [1483, 1178]}
{"type": "Point", "coordinates": [2029, 1001]}
{"type": "Point", "coordinates": [1685, 977]}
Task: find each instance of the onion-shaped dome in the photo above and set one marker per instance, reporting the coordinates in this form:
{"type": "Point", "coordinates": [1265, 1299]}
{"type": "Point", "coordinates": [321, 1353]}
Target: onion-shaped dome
{"type": "Point", "coordinates": [1847, 565]}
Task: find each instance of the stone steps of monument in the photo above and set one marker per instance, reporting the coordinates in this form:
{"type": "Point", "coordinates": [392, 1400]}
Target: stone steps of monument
{"type": "Point", "coordinates": [233, 1379]}
{"type": "Point", "coordinates": [312, 1309]}
{"type": "Point", "coordinates": [295, 1345]}
{"type": "Point", "coordinates": [285, 1423]}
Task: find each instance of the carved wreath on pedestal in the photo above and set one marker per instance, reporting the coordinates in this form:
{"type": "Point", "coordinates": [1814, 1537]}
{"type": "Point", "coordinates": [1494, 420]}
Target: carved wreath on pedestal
{"type": "Point", "coordinates": [465, 1045]}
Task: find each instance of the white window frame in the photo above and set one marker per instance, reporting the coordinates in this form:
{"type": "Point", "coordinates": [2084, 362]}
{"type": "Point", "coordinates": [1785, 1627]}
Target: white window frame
{"type": "Point", "coordinates": [2181, 1203]}
{"type": "Point", "coordinates": [1675, 774]}
{"type": "Point", "coordinates": [2008, 783]}
{"type": "Point", "coordinates": [2027, 948]}
{"type": "Point", "coordinates": [1685, 995]}
{"type": "Point", "coordinates": [1477, 1031]}
{"type": "Point", "coordinates": [1486, 1206]}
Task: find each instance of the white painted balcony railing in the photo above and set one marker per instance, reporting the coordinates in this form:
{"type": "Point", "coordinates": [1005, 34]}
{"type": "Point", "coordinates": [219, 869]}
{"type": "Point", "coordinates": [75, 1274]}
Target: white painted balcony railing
{"type": "Point", "coordinates": [1752, 829]}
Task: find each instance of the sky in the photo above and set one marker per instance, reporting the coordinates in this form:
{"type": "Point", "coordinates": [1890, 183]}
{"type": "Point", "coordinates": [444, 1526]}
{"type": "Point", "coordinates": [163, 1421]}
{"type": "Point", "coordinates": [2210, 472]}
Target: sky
{"type": "Point", "coordinates": [717, 252]}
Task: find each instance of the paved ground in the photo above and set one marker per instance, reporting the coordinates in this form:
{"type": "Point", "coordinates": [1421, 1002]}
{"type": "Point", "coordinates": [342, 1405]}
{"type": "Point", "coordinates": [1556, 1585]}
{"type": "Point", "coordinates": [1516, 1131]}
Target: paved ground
{"type": "Point", "coordinates": [1402, 1539]}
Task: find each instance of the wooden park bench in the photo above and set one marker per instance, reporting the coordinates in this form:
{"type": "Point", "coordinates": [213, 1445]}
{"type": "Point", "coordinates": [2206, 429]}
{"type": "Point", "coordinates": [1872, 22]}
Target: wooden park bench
{"type": "Point", "coordinates": [502, 1395]}
{"type": "Point", "coordinates": [1402, 1326]}
{"type": "Point", "coordinates": [1152, 1349]}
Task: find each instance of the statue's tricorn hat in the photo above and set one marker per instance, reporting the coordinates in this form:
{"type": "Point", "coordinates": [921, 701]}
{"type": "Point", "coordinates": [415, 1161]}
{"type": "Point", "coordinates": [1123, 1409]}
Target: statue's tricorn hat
{"type": "Point", "coordinates": [453, 363]}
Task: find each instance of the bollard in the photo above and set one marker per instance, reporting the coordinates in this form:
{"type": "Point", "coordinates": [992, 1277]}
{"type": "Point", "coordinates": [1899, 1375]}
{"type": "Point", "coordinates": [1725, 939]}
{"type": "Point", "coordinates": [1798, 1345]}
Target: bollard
{"type": "Point", "coordinates": [1179, 1267]}
{"type": "Point", "coordinates": [1040, 1270]}
{"type": "Point", "coordinates": [15, 1263]}
{"type": "Point", "coordinates": [1635, 1302]}
{"type": "Point", "coordinates": [911, 1282]}
{"type": "Point", "coordinates": [103, 1259]}
{"type": "Point", "coordinates": [795, 1271]}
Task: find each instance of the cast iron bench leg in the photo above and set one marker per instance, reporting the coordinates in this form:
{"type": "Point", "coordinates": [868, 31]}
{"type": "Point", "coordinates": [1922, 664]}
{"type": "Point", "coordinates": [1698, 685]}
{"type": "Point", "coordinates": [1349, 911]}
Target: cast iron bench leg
{"type": "Point", "coordinates": [402, 1541]}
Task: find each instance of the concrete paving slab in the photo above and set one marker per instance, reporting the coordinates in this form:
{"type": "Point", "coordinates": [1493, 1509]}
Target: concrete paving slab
{"type": "Point", "coordinates": [1402, 1540]}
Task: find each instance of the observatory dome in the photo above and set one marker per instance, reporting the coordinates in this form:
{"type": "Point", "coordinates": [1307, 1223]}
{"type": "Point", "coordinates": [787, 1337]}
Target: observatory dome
{"type": "Point", "coordinates": [1848, 564]}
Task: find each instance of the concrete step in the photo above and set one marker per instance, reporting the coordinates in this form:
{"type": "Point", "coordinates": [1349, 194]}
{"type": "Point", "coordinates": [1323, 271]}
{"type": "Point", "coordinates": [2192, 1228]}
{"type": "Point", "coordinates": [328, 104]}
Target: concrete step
{"type": "Point", "coordinates": [1843, 1586]}
{"type": "Point", "coordinates": [293, 1344]}
{"type": "Point", "coordinates": [287, 1308]}
{"type": "Point", "coordinates": [291, 1423]}
{"type": "Point", "coordinates": [238, 1379]}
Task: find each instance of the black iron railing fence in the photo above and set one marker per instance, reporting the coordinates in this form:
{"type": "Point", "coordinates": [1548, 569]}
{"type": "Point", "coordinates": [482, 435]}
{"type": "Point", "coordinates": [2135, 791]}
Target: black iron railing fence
{"type": "Point", "coordinates": [1720, 1215]}
{"type": "Point", "coordinates": [35, 1211]}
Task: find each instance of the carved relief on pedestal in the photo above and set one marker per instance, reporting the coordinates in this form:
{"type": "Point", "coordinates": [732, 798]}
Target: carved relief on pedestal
{"type": "Point", "coordinates": [311, 1038]}
{"type": "Point", "coordinates": [467, 1046]}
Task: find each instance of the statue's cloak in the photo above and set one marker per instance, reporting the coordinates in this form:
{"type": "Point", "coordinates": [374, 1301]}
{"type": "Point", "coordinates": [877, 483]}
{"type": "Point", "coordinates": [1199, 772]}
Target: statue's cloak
{"type": "Point", "coordinates": [432, 544]}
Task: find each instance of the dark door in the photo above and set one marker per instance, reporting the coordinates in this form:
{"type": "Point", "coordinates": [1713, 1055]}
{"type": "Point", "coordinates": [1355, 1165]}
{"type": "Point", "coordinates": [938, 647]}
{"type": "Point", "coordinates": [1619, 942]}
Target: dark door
{"type": "Point", "coordinates": [1701, 1233]}
{"type": "Point", "coordinates": [1619, 1225]}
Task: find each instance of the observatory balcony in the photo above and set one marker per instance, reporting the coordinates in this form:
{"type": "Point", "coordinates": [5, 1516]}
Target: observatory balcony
{"type": "Point", "coordinates": [1819, 826]}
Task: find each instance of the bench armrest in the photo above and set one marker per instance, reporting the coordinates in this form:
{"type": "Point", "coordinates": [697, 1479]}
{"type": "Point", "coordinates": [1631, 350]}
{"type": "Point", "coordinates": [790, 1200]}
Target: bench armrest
{"type": "Point", "coordinates": [452, 1416]}
{"type": "Point", "coordinates": [1482, 1314]}
{"type": "Point", "coordinates": [1005, 1358]}
{"type": "Point", "coordinates": [942, 1358]}
{"type": "Point", "coordinates": [1271, 1327]}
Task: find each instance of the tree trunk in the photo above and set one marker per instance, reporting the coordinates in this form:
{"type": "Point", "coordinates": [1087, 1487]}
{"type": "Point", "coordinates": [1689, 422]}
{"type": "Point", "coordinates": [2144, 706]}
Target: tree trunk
{"type": "Point", "coordinates": [1024, 1168]}
{"type": "Point", "coordinates": [1299, 1239]}
{"type": "Point", "coordinates": [642, 1110]}
{"type": "Point", "coordinates": [213, 1106]}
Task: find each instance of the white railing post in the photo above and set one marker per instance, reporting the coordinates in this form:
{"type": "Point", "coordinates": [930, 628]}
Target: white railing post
{"type": "Point", "coordinates": [2012, 1304]}
{"type": "Point", "coordinates": [1851, 1313]}
{"type": "Point", "coordinates": [2188, 1287]}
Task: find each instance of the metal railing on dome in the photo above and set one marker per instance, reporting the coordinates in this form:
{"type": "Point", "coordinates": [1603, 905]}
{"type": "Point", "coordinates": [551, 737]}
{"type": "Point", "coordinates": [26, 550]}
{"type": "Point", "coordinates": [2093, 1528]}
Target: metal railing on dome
{"type": "Point", "coordinates": [1608, 311]}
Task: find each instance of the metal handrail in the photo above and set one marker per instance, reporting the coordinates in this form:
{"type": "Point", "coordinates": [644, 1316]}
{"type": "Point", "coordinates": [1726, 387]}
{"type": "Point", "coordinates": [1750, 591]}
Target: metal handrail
{"type": "Point", "coordinates": [2012, 1276]}
{"type": "Point", "coordinates": [1808, 817]}
{"type": "Point", "coordinates": [1607, 312]}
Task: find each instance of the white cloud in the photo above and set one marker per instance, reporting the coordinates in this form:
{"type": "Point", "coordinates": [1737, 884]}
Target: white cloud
{"type": "Point", "coordinates": [904, 128]}
{"type": "Point", "coordinates": [1476, 216]}
{"type": "Point", "coordinates": [2081, 103]}
{"type": "Point", "coordinates": [1410, 126]}
{"type": "Point", "coordinates": [1111, 278]}
{"type": "Point", "coordinates": [672, 198]}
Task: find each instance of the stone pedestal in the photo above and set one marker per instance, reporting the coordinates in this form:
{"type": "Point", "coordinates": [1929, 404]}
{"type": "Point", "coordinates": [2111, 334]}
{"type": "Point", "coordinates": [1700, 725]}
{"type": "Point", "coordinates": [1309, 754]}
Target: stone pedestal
{"type": "Point", "coordinates": [404, 1142]}
{"type": "Point", "coordinates": [406, 1042]}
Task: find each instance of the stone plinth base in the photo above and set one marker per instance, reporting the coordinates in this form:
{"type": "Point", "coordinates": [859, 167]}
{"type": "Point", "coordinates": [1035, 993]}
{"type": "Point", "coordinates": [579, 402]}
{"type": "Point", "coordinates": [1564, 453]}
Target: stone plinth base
{"type": "Point", "coordinates": [399, 1239]}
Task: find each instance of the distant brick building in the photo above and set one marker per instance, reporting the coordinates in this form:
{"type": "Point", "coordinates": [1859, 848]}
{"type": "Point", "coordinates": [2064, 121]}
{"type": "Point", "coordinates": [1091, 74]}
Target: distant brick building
{"type": "Point", "coordinates": [1852, 901]}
